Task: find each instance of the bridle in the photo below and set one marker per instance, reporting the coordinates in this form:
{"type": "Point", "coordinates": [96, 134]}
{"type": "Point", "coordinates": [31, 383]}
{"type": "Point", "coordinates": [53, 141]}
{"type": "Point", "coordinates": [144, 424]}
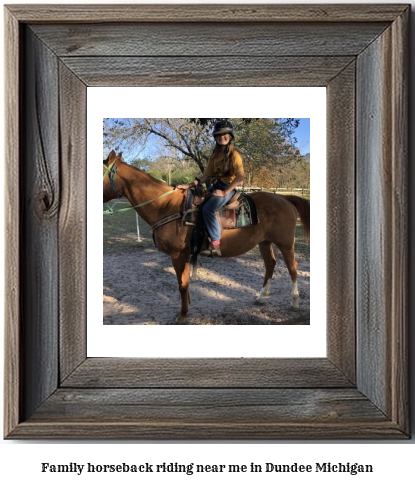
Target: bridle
{"type": "Point", "coordinates": [111, 170]}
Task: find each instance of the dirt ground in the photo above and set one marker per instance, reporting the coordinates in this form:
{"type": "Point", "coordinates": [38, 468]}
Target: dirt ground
{"type": "Point", "coordinates": [140, 287]}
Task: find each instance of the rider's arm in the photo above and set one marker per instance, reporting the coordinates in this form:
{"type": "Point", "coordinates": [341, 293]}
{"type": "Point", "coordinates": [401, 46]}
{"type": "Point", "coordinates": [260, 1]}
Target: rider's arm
{"type": "Point", "coordinates": [239, 178]}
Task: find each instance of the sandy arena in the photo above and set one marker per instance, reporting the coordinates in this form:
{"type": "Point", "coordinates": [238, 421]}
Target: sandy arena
{"type": "Point", "coordinates": [140, 287]}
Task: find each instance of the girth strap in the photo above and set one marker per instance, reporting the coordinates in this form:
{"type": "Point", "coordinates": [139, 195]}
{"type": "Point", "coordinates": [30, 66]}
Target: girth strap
{"type": "Point", "coordinates": [166, 220]}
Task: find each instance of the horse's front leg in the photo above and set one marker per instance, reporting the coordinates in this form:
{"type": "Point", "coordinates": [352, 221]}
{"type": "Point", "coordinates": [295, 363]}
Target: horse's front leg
{"type": "Point", "coordinates": [181, 266]}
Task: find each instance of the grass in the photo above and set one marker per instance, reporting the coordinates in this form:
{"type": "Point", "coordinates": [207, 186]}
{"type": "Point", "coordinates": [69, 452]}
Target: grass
{"type": "Point", "coordinates": [120, 233]}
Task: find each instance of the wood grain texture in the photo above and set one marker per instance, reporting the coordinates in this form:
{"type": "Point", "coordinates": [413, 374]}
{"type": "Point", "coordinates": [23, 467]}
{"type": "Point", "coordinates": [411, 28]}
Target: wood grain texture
{"type": "Point", "coordinates": [206, 373]}
{"type": "Point", "coordinates": [53, 391]}
{"type": "Point", "coordinates": [179, 39]}
{"type": "Point", "coordinates": [72, 222]}
{"type": "Point", "coordinates": [209, 414]}
{"type": "Point", "coordinates": [40, 206]}
{"type": "Point", "coordinates": [400, 232]}
{"type": "Point", "coordinates": [382, 222]}
{"type": "Point", "coordinates": [203, 71]}
{"type": "Point", "coordinates": [341, 233]}
{"type": "Point", "coordinates": [213, 431]}
{"type": "Point", "coordinates": [210, 405]}
{"type": "Point", "coordinates": [205, 13]}
{"type": "Point", "coordinates": [373, 221]}
{"type": "Point", "coordinates": [13, 383]}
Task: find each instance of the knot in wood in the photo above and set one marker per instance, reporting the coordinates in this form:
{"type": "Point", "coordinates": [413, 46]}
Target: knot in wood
{"type": "Point", "coordinates": [46, 204]}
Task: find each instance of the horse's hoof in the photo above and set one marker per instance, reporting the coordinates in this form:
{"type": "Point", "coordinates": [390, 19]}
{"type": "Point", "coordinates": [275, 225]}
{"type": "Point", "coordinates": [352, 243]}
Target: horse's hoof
{"type": "Point", "coordinates": [295, 309]}
{"type": "Point", "coordinates": [259, 302]}
{"type": "Point", "coordinates": [181, 320]}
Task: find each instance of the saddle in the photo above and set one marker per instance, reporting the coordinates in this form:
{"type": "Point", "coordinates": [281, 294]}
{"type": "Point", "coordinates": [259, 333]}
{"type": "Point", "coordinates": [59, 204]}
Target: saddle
{"type": "Point", "coordinates": [240, 211]}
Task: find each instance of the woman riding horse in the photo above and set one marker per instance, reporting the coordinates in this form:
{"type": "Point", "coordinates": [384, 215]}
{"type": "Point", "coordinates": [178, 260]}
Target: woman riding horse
{"type": "Point", "coordinates": [161, 207]}
{"type": "Point", "coordinates": [226, 170]}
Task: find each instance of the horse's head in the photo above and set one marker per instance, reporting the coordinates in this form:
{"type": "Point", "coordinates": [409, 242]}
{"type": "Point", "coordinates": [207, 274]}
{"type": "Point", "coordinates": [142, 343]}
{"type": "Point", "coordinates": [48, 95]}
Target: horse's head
{"type": "Point", "coordinates": [110, 190]}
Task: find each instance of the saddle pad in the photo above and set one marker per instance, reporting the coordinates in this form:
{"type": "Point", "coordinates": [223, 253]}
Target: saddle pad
{"type": "Point", "coordinates": [242, 216]}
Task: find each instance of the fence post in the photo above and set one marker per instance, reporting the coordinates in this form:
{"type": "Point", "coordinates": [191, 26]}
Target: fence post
{"type": "Point", "coordinates": [138, 228]}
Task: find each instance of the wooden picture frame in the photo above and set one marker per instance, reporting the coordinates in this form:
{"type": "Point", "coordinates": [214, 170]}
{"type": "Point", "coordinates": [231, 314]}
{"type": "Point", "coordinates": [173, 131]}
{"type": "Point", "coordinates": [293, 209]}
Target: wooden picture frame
{"type": "Point", "coordinates": [360, 53]}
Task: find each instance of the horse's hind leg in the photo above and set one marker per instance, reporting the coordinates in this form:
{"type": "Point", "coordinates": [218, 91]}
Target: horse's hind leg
{"type": "Point", "coordinates": [291, 263]}
{"type": "Point", "coordinates": [268, 256]}
{"type": "Point", "coordinates": [181, 266]}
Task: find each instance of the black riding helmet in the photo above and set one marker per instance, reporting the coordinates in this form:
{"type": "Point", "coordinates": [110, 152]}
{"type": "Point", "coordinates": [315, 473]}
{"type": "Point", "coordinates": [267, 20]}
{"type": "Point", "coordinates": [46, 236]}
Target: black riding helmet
{"type": "Point", "coordinates": [223, 127]}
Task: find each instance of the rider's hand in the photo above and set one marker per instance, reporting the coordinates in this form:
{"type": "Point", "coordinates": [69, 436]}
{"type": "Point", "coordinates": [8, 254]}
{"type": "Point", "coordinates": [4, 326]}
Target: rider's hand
{"type": "Point", "coordinates": [219, 193]}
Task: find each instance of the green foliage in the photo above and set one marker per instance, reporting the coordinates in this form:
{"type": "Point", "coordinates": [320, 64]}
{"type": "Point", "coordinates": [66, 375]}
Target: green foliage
{"type": "Point", "coordinates": [173, 171]}
{"type": "Point", "coordinates": [184, 176]}
{"type": "Point", "coordinates": [180, 148]}
{"type": "Point", "coordinates": [177, 176]}
{"type": "Point", "coordinates": [141, 163]}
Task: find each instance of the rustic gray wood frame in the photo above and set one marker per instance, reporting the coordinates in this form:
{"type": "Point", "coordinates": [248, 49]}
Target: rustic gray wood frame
{"type": "Point", "coordinates": [360, 53]}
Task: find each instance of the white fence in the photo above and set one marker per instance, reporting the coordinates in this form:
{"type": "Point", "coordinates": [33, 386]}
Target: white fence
{"type": "Point", "coordinates": [251, 189]}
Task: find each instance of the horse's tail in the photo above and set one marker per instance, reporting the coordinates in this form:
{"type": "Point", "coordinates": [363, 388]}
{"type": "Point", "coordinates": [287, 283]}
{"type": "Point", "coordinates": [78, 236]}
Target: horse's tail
{"type": "Point", "coordinates": [303, 208]}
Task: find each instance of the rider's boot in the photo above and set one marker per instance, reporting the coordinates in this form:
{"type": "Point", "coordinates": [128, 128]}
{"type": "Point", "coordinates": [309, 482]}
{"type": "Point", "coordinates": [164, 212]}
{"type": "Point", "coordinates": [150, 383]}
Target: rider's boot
{"type": "Point", "coordinates": [213, 251]}
{"type": "Point", "coordinates": [216, 249]}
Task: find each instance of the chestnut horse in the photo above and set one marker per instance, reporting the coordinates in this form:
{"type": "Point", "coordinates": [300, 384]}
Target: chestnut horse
{"type": "Point", "coordinates": [157, 202]}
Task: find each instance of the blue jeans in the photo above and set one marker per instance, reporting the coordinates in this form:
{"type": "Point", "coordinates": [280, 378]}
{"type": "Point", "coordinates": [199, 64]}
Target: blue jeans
{"type": "Point", "coordinates": [210, 207]}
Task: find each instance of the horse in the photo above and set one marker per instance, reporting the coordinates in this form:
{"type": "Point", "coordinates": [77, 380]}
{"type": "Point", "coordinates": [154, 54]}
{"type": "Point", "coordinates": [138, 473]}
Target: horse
{"type": "Point", "coordinates": [160, 205]}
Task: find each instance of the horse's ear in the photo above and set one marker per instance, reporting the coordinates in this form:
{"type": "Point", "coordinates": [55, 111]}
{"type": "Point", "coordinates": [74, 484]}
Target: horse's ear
{"type": "Point", "coordinates": [111, 156]}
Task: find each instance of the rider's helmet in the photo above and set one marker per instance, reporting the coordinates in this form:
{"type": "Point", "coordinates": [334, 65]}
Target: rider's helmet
{"type": "Point", "coordinates": [223, 127]}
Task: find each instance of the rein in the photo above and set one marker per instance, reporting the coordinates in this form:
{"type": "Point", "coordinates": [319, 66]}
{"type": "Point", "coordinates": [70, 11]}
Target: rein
{"type": "Point", "coordinates": [110, 211]}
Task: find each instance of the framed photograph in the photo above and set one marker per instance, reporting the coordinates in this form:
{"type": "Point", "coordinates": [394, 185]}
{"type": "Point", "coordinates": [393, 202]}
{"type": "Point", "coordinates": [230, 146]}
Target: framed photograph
{"type": "Point", "coordinates": [141, 294]}
{"type": "Point", "coordinates": [359, 389]}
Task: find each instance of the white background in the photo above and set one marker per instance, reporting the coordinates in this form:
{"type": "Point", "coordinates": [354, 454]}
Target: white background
{"type": "Point", "coordinates": [218, 341]}
{"type": "Point", "coordinates": [393, 461]}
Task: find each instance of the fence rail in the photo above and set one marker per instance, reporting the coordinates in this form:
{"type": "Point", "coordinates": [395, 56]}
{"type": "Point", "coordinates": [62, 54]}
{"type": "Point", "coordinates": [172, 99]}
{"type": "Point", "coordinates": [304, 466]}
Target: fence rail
{"type": "Point", "coordinates": [289, 191]}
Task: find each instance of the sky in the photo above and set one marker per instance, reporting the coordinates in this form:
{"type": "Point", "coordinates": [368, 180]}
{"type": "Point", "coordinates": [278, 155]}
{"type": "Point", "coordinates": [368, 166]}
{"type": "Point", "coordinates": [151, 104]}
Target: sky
{"type": "Point", "coordinates": [302, 133]}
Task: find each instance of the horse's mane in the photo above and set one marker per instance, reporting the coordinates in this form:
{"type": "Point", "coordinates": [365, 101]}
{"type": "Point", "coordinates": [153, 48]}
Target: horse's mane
{"type": "Point", "coordinates": [148, 175]}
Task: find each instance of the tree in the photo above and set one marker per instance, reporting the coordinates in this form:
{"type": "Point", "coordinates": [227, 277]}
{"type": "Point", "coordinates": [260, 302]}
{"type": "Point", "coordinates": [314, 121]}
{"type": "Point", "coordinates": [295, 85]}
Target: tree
{"type": "Point", "coordinates": [212, 122]}
{"type": "Point", "coordinates": [264, 143]}
{"type": "Point", "coordinates": [171, 170]}
{"type": "Point", "coordinates": [180, 139]}
{"type": "Point", "coordinates": [141, 163]}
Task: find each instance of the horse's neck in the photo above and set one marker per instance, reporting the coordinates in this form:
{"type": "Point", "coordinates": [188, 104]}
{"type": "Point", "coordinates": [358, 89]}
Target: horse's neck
{"type": "Point", "coordinates": [139, 188]}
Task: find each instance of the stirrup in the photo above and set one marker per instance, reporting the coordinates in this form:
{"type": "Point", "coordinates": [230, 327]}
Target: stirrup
{"type": "Point", "coordinates": [212, 252]}
{"type": "Point", "coordinates": [216, 253]}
